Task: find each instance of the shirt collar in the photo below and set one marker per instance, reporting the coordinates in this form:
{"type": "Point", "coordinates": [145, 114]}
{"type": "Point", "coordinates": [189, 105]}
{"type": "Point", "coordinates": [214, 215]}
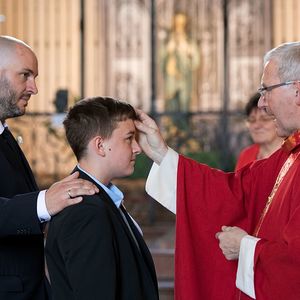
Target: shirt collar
{"type": "Point", "coordinates": [113, 192]}
{"type": "Point", "coordinates": [2, 127]}
{"type": "Point", "coordinates": [291, 142]}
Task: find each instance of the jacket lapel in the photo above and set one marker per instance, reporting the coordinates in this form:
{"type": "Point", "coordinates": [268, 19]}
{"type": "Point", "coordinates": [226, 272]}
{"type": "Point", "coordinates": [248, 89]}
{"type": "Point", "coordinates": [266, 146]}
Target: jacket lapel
{"type": "Point", "coordinates": [8, 154]}
{"type": "Point", "coordinates": [17, 164]}
{"type": "Point", "coordinates": [28, 171]}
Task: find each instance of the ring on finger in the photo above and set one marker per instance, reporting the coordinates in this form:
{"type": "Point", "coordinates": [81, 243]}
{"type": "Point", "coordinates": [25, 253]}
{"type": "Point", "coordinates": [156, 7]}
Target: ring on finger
{"type": "Point", "coordinates": [69, 193]}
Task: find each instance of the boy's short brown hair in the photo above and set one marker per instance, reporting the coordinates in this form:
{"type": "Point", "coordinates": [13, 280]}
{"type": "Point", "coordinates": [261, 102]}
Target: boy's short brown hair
{"type": "Point", "coordinates": [94, 116]}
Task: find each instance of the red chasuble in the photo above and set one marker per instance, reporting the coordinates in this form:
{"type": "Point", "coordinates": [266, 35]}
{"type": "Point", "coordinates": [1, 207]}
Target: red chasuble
{"type": "Point", "coordinates": [207, 199]}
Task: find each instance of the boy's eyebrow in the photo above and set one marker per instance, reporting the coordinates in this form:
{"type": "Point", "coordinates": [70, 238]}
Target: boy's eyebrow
{"type": "Point", "coordinates": [131, 132]}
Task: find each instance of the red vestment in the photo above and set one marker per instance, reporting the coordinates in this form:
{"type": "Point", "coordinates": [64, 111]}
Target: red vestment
{"type": "Point", "coordinates": [207, 199]}
{"type": "Point", "coordinates": [246, 156]}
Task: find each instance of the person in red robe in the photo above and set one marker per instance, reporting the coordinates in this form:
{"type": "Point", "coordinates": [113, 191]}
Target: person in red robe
{"type": "Point", "coordinates": [262, 130]}
{"type": "Point", "coordinates": [237, 234]}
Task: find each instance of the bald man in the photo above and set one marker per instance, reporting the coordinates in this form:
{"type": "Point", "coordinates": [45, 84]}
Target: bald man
{"type": "Point", "coordinates": [24, 209]}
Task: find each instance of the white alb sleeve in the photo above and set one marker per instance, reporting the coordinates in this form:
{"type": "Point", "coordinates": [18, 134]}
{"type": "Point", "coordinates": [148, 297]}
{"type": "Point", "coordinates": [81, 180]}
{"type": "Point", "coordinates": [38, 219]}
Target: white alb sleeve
{"type": "Point", "coordinates": [245, 271]}
{"type": "Point", "coordinates": [161, 183]}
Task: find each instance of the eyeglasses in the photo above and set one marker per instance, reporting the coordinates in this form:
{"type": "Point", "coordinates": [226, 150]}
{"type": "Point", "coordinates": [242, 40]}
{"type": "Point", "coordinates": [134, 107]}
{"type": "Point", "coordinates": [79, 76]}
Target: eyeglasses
{"type": "Point", "coordinates": [264, 89]}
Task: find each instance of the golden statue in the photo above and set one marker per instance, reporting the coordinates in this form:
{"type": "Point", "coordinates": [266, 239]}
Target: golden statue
{"type": "Point", "coordinates": [180, 59]}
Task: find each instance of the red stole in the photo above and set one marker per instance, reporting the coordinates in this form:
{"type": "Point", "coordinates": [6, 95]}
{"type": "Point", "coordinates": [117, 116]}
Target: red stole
{"type": "Point", "coordinates": [277, 255]}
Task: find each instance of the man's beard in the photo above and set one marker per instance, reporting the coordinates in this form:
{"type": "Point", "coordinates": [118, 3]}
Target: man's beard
{"type": "Point", "coordinates": [8, 100]}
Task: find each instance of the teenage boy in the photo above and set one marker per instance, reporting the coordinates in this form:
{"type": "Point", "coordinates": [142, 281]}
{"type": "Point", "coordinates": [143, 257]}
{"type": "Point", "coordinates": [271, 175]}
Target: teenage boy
{"type": "Point", "coordinates": [95, 250]}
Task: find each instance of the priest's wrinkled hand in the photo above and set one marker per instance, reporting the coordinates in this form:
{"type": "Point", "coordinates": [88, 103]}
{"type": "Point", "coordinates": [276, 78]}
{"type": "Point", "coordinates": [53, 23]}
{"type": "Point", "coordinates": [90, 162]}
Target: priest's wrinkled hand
{"type": "Point", "coordinates": [150, 138]}
{"type": "Point", "coordinates": [230, 241]}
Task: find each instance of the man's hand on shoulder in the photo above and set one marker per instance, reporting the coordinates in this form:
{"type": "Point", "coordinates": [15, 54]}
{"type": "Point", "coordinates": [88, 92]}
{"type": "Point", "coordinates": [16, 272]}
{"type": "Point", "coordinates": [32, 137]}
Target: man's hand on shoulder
{"type": "Point", "coordinates": [67, 192]}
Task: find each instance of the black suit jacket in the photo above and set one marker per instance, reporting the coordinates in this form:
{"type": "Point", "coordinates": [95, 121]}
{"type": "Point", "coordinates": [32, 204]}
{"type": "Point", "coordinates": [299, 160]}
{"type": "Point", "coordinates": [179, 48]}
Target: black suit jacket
{"type": "Point", "coordinates": [91, 254]}
{"type": "Point", "coordinates": [21, 238]}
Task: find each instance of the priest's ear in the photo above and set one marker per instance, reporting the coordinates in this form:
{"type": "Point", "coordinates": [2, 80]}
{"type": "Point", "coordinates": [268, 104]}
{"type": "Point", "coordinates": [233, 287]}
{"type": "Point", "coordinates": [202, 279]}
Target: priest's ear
{"type": "Point", "coordinates": [297, 94]}
{"type": "Point", "coordinates": [297, 90]}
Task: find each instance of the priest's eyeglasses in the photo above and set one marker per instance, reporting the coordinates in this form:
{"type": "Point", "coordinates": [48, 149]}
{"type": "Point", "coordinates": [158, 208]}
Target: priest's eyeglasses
{"type": "Point", "coordinates": [264, 89]}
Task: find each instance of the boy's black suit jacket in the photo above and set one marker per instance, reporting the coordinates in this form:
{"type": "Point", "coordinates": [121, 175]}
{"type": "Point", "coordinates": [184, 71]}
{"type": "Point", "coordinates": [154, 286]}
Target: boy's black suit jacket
{"type": "Point", "coordinates": [21, 237]}
{"type": "Point", "coordinates": [91, 254]}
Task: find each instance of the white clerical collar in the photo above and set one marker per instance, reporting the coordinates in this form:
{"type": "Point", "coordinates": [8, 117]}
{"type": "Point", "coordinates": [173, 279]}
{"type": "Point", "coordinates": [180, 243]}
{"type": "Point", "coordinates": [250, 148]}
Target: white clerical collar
{"type": "Point", "coordinates": [113, 192]}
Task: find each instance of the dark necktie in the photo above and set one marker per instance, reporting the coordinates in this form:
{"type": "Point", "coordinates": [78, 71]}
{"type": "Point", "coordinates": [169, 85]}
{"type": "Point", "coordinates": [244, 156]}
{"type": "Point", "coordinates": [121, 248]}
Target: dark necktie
{"type": "Point", "coordinates": [136, 235]}
{"type": "Point", "coordinates": [129, 224]}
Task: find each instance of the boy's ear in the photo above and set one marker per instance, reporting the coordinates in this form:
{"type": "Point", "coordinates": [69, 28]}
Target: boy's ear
{"type": "Point", "coordinates": [98, 144]}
